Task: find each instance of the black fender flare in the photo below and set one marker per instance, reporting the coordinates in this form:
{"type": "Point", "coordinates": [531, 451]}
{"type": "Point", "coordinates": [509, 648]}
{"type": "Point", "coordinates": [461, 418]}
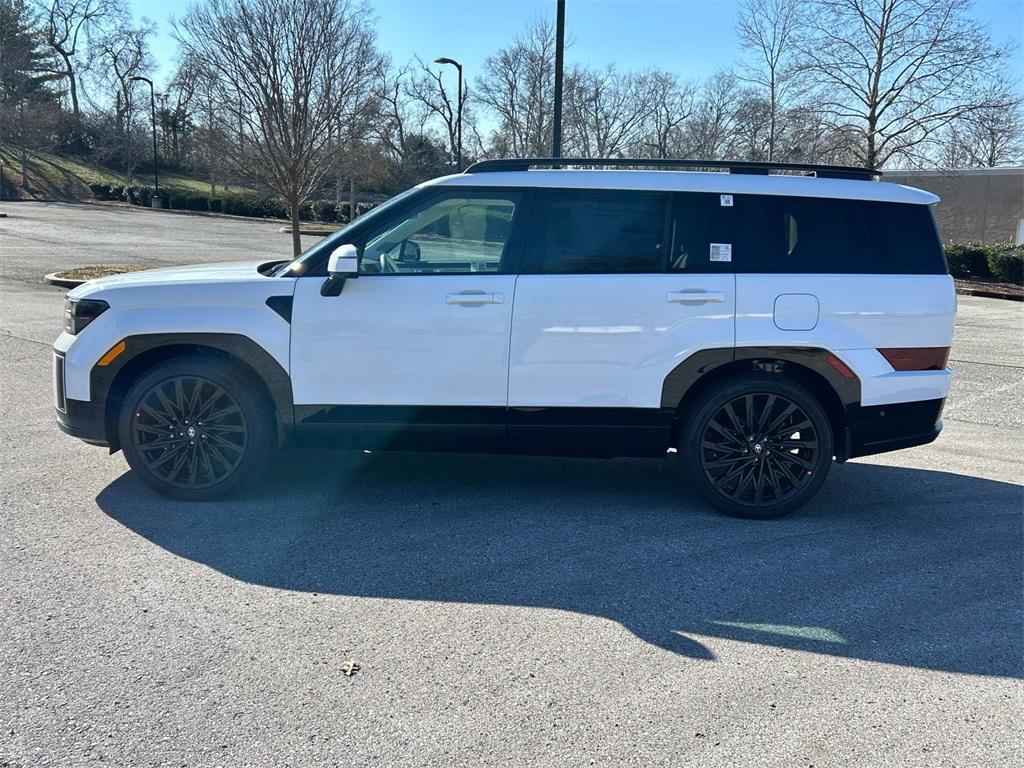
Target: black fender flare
{"type": "Point", "coordinates": [771, 359]}
{"type": "Point", "coordinates": [143, 347]}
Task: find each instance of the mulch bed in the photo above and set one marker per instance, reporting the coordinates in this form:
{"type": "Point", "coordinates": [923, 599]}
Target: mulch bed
{"type": "Point", "coordinates": [990, 289]}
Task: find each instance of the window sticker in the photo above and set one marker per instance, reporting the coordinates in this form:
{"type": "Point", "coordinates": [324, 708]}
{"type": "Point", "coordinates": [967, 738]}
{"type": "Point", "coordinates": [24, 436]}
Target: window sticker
{"type": "Point", "coordinates": [721, 251]}
{"type": "Point", "coordinates": [726, 200]}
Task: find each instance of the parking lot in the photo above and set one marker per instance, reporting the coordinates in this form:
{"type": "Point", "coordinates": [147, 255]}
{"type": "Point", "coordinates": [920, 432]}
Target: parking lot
{"type": "Point", "coordinates": [503, 610]}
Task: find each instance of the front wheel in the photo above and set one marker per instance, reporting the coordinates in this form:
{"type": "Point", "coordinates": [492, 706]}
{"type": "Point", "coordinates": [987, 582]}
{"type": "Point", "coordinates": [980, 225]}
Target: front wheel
{"type": "Point", "coordinates": [760, 446]}
{"type": "Point", "coordinates": [196, 428]}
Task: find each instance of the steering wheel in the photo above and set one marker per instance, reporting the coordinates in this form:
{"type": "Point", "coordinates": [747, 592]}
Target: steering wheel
{"type": "Point", "coordinates": [387, 264]}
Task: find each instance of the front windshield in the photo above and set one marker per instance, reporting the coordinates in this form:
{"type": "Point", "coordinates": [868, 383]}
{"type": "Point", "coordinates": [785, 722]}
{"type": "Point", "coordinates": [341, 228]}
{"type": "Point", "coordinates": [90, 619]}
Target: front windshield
{"type": "Point", "coordinates": [302, 263]}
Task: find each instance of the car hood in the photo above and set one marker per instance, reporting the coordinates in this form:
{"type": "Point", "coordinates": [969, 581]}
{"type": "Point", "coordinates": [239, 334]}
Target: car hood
{"type": "Point", "coordinates": [231, 271]}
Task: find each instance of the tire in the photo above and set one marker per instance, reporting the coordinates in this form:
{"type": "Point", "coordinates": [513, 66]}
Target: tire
{"type": "Point", "coordinates": [196, 428]}
{"type": "Point", "coordinates": [758, 447]}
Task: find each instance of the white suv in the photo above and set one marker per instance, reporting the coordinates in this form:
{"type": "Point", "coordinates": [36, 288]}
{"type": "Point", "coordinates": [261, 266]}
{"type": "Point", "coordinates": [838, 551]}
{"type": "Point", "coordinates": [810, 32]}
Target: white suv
{"type": "Point", "coordinates": [760, 323]}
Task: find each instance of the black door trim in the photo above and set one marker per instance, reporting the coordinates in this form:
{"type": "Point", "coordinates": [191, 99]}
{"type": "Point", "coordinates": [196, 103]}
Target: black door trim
{"type": "Point", "coordinates": [600, 432]}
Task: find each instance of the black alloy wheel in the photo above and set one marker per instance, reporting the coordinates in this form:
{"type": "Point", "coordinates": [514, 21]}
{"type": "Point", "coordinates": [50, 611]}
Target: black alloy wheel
{"type": "Point", "coordinates": [197, 427]}
{"type": "Point", "coordinates": [760, 446]}
{"type": "Point", "coordinates": [758, 449]}
{"type": "Point", "coordinates": [190, 432]}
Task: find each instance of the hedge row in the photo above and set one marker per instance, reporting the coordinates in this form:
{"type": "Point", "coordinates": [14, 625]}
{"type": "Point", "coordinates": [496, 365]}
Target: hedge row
{"type": "Point", "coordinates": [987, 261]}
{"type": "Point", "coordinates": [252, 205]}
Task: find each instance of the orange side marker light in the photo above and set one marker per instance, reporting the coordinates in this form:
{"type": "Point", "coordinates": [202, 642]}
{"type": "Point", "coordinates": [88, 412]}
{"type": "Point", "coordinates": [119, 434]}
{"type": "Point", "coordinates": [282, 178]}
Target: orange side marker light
{"type": "Point", "coordinates": [112, 354]}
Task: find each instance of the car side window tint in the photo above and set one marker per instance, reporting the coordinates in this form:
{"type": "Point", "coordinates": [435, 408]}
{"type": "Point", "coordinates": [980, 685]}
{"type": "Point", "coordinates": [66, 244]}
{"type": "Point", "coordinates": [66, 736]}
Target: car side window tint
{"type": "Point", "coordinates": [698, 234]}
{"type": "Point", "coordinates": [806, 235]}
{"type": "Point", "coordinates": [456, 233]}
{"type": "Point", "coordinates": [598, 232]}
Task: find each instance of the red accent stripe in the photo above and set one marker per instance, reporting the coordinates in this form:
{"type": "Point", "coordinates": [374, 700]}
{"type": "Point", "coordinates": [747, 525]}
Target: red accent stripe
{"type": "Point", "coordinates": [916, 358]}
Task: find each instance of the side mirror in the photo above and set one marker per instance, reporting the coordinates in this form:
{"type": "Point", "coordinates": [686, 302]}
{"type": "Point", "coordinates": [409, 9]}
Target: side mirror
{"type": "Point", "coordinates": [344, 261]}
{"type": "Point", "coordinates": [342, 264]}
{"type": "Point", "coordinates": [410, 251]}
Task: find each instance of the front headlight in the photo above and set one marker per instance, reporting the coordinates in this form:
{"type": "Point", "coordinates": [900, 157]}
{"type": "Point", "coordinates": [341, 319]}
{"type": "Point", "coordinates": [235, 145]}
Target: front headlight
{"type": "Point", "coordinates": [78, 313]}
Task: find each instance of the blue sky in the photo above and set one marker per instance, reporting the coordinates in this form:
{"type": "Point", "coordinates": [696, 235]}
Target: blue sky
{"type": "Point", "coordinates": [691, 37]}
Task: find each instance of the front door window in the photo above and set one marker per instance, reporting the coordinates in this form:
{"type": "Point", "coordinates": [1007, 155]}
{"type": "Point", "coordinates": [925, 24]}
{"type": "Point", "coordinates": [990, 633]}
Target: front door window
{"type": "Point", "coordinates": [458, 233]}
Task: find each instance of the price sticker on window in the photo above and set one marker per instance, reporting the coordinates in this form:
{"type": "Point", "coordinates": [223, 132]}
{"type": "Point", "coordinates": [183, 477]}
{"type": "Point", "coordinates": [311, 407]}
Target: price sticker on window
{"type": "Point", "coordinates": [721, 251]}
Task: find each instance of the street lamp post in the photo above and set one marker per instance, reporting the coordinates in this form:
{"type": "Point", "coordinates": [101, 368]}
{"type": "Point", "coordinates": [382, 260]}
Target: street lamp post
{"type": "Point", "coordinates": [458, 151]}
{"type": "Point", "coordinates": [556, 133]}
{"type": "Point", "coordinates": [157, 201]}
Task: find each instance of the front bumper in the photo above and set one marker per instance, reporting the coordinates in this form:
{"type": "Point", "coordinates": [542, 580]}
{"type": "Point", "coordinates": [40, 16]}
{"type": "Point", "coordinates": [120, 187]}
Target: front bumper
{"type": "Point", "coordinates": [891, 427]}
{"type": "Point", "coordinates": [84, 420]}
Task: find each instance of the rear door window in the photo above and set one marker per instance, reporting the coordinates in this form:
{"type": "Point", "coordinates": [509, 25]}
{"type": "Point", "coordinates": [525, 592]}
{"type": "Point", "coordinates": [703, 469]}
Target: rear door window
{"type": "Point", "coordinates": [584, 232]}
{"type": "Point", "coordinates": [702, 238]}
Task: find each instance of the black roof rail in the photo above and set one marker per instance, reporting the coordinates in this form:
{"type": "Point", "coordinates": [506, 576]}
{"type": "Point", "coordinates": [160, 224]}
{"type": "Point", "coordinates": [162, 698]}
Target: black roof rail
{"type": "Point", "coordinates": [730, 166]}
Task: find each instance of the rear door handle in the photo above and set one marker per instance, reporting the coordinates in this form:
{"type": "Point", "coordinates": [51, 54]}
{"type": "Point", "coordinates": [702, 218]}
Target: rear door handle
{"type": "Point", "coordinates": [695, 297]}
{"type": "Point", "coordinates": [474, 297]}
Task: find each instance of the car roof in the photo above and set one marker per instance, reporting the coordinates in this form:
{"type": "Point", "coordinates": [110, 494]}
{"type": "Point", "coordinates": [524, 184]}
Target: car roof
{"type": "Point", "coordinates": [694, 181]}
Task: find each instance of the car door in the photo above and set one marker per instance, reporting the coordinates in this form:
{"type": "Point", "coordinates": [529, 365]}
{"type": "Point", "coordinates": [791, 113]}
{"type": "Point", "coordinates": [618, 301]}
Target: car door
{"type": "Point", "coordinates": [618, 288]}
{"type": "Point", "coordinates": [414, 351]}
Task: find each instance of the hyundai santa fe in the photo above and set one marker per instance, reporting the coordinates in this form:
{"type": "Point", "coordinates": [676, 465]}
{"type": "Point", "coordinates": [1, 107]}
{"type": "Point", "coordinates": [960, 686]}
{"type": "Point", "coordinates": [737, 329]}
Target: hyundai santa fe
{"type": "Point", "coordinates": [760, 321]}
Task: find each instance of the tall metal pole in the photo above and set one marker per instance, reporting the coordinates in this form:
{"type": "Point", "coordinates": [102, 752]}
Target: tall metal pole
{"type": "Point", "coordinates": [458, 156]}
{"type": "Point", "coordinates": [152, 109]}
{"type": "Point", "coordinates": [556, 138]}
{"type": "Point", "coordinates": [458, 146]}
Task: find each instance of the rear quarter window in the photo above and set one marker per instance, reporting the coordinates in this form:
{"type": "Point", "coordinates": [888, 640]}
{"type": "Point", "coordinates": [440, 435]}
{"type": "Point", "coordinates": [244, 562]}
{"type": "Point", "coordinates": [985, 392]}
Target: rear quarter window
{"type": "Point", "coordinates": [833, 236]}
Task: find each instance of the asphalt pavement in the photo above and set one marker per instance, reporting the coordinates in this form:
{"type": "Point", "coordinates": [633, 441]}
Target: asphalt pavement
{"type": "Point", "coordinates": [504, 611]}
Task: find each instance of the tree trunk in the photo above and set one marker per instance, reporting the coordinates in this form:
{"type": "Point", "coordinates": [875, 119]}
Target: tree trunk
{"type": "Point", "coordinates": [24, 151]}
{"type": "Point", "coordinates": [352, 200]}
{"type": "Point", "coordinates": [72, 86]}
{"type": "Point", "coordinates": [293, 211]}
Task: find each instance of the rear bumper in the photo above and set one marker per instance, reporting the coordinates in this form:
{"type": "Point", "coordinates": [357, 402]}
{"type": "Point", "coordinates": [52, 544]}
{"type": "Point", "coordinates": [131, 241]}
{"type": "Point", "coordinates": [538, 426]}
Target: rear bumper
{"type": "Point", "coordinates": [892, 427]}
{"type": "Point", "coordinates": [84, 420]}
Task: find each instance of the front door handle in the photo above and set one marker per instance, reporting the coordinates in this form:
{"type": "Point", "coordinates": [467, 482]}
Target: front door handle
{"type": "Point", "coordinates": [695, 297]}
{"type": "Point", "coordinates": [474, 297]}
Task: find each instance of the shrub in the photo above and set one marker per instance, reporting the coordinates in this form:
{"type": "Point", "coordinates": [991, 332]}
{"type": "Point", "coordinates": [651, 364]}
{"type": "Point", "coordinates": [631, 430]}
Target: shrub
{"type": "Point", "coordinates": [102, 192]}
{"type": "Point", "coordinates": [1006, 264]}
{"type": "Point", "coordinates": [361, 208]}
{"type": "Point", "coordinates": [968, 259]}
{"type": "Point", "coordinates": [254, 206]}
{"type": "Point", "coordinates": [985, 261]}
{"type": "Point", "coordinates": [216, 204]}
{"type": "Point", "coordinates": [325, 210]}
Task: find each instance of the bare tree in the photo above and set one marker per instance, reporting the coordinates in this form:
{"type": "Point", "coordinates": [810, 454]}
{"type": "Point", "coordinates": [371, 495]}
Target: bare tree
{"type": "Point", "coordinates": [710, 131]}
{"type": "Point", "coordinates": [66, 23]}
{"type": "Point", "coordinates": [606, 112]}
{"type": "Point", "coordinates": [518, 86]}
{"type": "Point", "coordinates": [428, 91]}
{"type": "Point", "coordinates": [768, 29]}
{"type": "Point", "coordinates": [181, 96]}
{"type": "Point", "coordinates": [671, 105]}
{"type": "Point", "coordinates": [125, 54]}
{"type": "Point", "coordinates": [897, 71]}
{"type": "Point", "coordinates": [298, 73]}
{"type": "Point", "coordinates": [989, 136]}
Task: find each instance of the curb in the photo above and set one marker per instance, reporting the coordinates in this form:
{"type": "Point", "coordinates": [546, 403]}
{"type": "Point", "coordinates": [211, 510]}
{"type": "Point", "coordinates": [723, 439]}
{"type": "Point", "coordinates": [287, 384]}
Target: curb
{"type": "Point", "coordinates": [985, 294]}
{"type": "Point", "coordinates": [310, 232]}
{"type": "Point", "coordinates": [177, 211]}
{"type": "Point", "coordinates": [61, 282]}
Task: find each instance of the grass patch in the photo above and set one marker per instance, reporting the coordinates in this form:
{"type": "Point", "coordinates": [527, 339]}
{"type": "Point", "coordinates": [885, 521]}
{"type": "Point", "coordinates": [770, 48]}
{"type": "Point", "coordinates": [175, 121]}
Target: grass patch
{"type": "Point", "coordinates": [312, 229]}
{"type": "Point", "coordinates": [67, 177]}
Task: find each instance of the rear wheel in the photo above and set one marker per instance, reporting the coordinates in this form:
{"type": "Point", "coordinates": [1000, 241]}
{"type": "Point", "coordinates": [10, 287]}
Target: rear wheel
{"type": "Point", "coordinates": [196, 428]}
{"type": "Point", "coordinates": [760, 446]}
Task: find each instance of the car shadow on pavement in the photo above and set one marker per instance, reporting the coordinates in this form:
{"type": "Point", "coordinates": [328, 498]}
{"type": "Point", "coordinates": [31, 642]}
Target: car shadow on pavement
{"type": "Point", "coordinates": [903, 566]}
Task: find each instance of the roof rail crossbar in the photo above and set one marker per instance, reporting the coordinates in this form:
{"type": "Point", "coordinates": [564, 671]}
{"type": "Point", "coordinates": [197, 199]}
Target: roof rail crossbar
{"type": "Point", "coordinates": [730, 166]}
